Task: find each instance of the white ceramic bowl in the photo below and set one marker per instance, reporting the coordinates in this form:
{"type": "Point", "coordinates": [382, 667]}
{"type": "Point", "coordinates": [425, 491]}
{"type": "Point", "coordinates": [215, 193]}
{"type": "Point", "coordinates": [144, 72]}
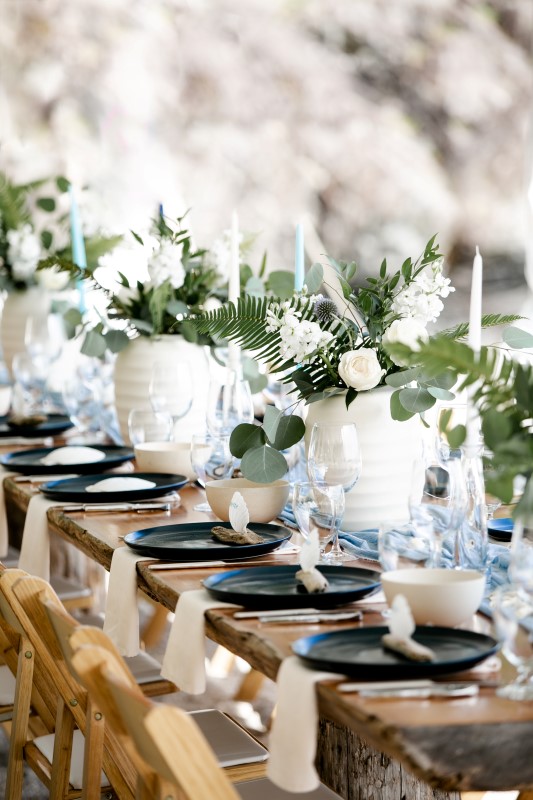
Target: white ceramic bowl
{"type": "Point", "coordinates": [173, 458]}
{"type": "Point", "coordinates": [445, 597]}
{"type": "Point", "coordinates": [264, 500]}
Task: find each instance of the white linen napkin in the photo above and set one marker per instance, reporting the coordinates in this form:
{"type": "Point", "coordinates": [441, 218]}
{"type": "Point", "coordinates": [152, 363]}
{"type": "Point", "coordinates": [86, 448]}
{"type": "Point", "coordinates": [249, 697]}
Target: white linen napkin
{"type": "Point", "coordinates": [184, 660]}
{"type": "Point", "coordinates": [4, 533]}
{"type": "Point", "coordinates": [35, 548]}
{"type": "Point", "coordinates": [121, 621]}
{"type": "Point", "coordinates": [293, 737]}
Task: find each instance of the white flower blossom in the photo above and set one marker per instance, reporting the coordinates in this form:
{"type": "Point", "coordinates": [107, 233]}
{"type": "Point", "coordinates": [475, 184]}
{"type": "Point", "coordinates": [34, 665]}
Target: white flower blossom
{"type": "Point", "coordinates": [127, 294]}
{"type": "Point", "coordinates": [23, 252]}
{"type": "Point", "coordinates": [165, 264]}
{"type": "Point", "coordinates": [299, 338]}
{"type": "Point", "coordinates": [408, 331]}
{"type": "Point", "coordinates": [360, 369]}
{"type": "Point", "coordinates": [220, 252]}
{"type": "Point", "coordinates": [421, 299]}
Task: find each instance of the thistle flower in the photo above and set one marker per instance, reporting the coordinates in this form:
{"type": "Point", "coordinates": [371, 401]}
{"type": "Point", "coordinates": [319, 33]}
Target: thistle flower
{"type": "Point", "coordinates": [325, 309]}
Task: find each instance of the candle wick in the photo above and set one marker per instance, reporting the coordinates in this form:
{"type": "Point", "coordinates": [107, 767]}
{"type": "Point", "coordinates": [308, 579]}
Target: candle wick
{"type": "Point", "coordinates": [477, 251]}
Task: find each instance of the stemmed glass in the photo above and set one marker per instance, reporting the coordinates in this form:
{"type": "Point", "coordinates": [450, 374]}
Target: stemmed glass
{"type": "Point", "coordinates": [30, 385]}
{"type": "Point", "coordinates": [334, 458]}
{"type": "Point", "coordinates": [171, 389]}
{"type": "Point", "coordinates": [318, 506]}
{"type": "Point", "coordinates": [44, 336]}
{"type": "Point", "coordinates": [513, 618]}
{"type": "Point", "coordinates": [149, 426]}
{"type": "Point", "coordinates": [211, 459]}
{"type": "Point", "coordinates": [229, 402]}
{"type": "Point", "coordinates": [83, 392]}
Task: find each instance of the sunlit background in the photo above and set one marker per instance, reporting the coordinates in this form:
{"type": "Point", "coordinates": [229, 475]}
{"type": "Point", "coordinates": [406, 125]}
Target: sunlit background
{"type": "Point", "coordinates": [376, 123]}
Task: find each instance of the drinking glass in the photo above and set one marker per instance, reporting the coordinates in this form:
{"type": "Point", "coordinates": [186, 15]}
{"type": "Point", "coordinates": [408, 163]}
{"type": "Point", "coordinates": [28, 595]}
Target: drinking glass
{"type": "Point", "coordinates": [318, 506]}
{"type": "Point", "coordinates": [492, 503]}
{"type": "Point", "coordinates": [83, 393]}
{"type": "Point", "coordinates": [211, 459]}
{"type": "Point", "coordinates": [400, 546]}
{"type": "Point", "coordinates": [513, 619]}
{"type": "Point", "coordinates": [438, 497]}
{"type": "Point", "coordinates": [149, 426]}
{"type": "Point", "coordinates": [171, 388]}
{"type": "Point", "coordinates": [44, 336]}
{"type": "Point", "coordinates": [521, 557]}
{"type": "Point", "coordinates": [334, 458]}
{"type": "Point", "coordinates": [30, 384]}
{"type": "Point", "coordinates": [229, 402]}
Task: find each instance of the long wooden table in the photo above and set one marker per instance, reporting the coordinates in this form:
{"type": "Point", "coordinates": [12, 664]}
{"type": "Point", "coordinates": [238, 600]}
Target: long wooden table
{"type": "Point", "coordinates": [368, 749]}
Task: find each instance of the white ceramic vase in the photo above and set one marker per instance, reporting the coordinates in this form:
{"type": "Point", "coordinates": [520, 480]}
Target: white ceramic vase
{"type": "Point", "coordinates": [18, 307]}
{"type": "Point", "coordinates": [133, 371]}
{"type": "Point", "coordinates": [388, 450]}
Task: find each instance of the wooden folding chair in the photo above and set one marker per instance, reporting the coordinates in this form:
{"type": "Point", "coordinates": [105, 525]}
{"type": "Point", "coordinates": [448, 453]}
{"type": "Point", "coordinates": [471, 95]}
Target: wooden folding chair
{"type": "Point", "coordinates": [239, 753]}
{"type": "Point", "coordinates": [174, 750]}
{"type": "Point", "coordinates": [70, 758]}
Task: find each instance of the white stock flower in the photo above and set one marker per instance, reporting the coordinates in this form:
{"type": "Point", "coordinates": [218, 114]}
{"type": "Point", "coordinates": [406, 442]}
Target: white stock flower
{"type": "Point", "coordinates": [360, 369]}
{"type": "Point", "coordinates": [23, 252]}
{"type": "Point", "coordinates": [127, 294]}
{"type": "Point", "coordinates": [53, 279]}
{"type": "Point", "coordinates": [408, 331]}
{"type": "Point", "coordinates": [165, 264]}
{"type": "Point", "coordinates": [421, 299]}
{"type": "Point", "coordinates": [220, 252]}
{"type": "Point", "coordinates": [299, 339]}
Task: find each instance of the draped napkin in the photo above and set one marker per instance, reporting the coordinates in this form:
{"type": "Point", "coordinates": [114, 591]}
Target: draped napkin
{"type": "Point", "coordinates": [121, 621]}
{"type": "Point", "coordinates": [293, 738]}
{"type": "Point", "coordinates": [35, 548]}
{"type": "Point", "coordinates": [184, 660]}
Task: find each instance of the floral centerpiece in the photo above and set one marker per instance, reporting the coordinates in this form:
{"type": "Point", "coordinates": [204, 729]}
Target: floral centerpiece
{"type": "Point", "coordinates": [326, 349]}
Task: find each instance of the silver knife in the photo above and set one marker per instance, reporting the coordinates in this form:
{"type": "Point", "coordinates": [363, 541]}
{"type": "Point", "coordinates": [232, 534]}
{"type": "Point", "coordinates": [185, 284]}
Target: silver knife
{"type": "Point", "coordinates": [42, 478]}
{"type": "Point", "coordinates": [292, 612]}
{"type": "Point", "coordinates": [437, 690]}
{"type": "Point", "coordinates": [311, 619]}
{"type": "Point", "coordinates": [117, 507]}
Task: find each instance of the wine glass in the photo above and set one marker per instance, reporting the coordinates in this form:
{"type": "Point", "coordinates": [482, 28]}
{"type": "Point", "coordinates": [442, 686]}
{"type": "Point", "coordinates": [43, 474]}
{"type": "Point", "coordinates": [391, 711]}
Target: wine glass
{"type": "Point", "coordinates": [318, 506]}
{"type": "Point", "coordinates": [334, 458]}
{"type": "Point", "coordinates": [149, 426]}
{"type": "Point", "coordinates": [437, 497]}
{"type": "Point", "coordinates": [171, 389]}
{"type": "Point", "coordinates": [44, 336]}
{"type": "Point", "coordinates": [211, 459]}
{"type": "Point", "coordinates": [513, 619]}
{"type": "Point", "coordinates": [229, 402]}
{"type": "Point", "coordinates": [521, 557]}
{"type": "Point", "coordinates": [83, 392]}
{"type": "Point", "coordinates": [492, 503]}
{"type": "Point", "coordinates": [30, 384]}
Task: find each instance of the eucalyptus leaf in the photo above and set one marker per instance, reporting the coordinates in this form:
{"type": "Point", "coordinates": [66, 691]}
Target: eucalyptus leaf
{"type": "Point", "coordinates": [456, 436]}
{"type": "Point", "coordinates": [496, 427]}
{"type": "Point", "coordinates": [46, 203]}
{"type": "Point", "coordinates": [62, 184]}
{"type": "Point", "coordinates": [94, 345]}
{"type": "Point", "coordinates": [245, 437]}
{"type": "Point", "coordinates": [189, 332]}
{"type": "Point", "coordinates": [314, 278]}
{"type": "Point", "coordinates": [440, 394]}
{"type": "Point", "coordinates": [263, 464]}
{"type": "Point", "coordinates": [517, 337]}
{"type": "Point", "coordinates": [116, 340]}
{"type": "Point", "coordinates": [281, 284]}
{"type": "Point", "coordinates": [501, 485]}
{"type": "Point", "coordinates": [399, 379]}
{"type": "Point", "coordinates": [254, 286]}
{"type": "Point", "coordinates": [176, 308]}
{"type": "Point", "coordinates": [398, 412]}
{"type": "Point", "coordinates": [416, 400]}
{"type": "Point", "coordinates": [271, 421]}
{"type": "Point", "coordinates": [290, 430]}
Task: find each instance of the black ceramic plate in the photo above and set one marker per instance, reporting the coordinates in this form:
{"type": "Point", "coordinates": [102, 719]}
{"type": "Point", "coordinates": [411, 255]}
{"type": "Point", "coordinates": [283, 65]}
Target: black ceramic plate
{"type": "Point", "coordinates": [194, 542]}
{"type": "Point", "coordinates": [276, 587]}
{"type": "Point", "coordinates": [29, 462]}
{"type": "Point", "coordinates": [358, 652]}
{"type": "Point", "coordinates": [52, 425]}
{"type": "Point", "coordinates": [500, 529]}
{"type": "Point", "coordinates": [74, 490]}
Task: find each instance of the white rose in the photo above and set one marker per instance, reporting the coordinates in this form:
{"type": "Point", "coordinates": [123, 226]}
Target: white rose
{"type": "Point", "coordinates": [361, 369]}
{"type": "Point", "coordinates": [53, 279]}
{"type": "Point", "coordinates": [406, 331]}
{"type": "Point", "coordinates": [212, 304]}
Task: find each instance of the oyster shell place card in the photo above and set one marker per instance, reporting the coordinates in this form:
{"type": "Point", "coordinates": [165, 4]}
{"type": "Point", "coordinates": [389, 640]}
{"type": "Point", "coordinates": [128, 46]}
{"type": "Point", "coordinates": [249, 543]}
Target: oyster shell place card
{"type": "Point", "coordinates": [239, 519]}
{"type": "Point", "coordinates": [313, 580]}
{"type": "Point", "coordinates": [401, 629]}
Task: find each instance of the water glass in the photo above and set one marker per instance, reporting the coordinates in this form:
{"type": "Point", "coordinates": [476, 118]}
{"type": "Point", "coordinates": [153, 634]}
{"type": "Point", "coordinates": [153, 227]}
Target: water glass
{"type": "Point", "coordinates": [318, 506]}
{"type": "Point", "coordinates": [211, 459]}
{"type": "Point", "coordinates": [401, 546]}
{"type": "Point", "coordinates": [171, 388]}
{"type": "Point", "coordinates": [149, 426]}
{"type": "Point", "coordinates": [31, 374]}
{"type": "Point", "coordinates": [521, 558]}
{"type": "Point", "coordinates": [44, 336]}
{"type": "Point", "coordinates": [83, 393]}
{"type": "Point", "coordinates": [513, 619]}
{"type": "Point", "coordinates": [229, 403]}
{"type": "Point", "coordinates": [334, 455]}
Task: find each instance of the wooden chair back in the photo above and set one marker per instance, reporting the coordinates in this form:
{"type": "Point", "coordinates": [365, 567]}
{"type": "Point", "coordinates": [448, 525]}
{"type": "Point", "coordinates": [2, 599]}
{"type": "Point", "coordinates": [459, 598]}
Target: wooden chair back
{"type": "Point", "coordinates": [24, 599]}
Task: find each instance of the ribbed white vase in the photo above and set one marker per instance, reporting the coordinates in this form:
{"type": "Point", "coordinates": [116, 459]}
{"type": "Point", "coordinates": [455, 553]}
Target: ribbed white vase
{"type": "Point", "coordinates": [133, 371]}
{"type": "Point", "coordinates": [18, 307]}
{"type": "Point", "coordinates": [388, 450]}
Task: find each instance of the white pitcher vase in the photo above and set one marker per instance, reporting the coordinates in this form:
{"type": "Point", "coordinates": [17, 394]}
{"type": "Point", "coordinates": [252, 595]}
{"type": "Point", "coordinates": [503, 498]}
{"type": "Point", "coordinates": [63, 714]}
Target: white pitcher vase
{"type": "Point", "coordinates": [18, 307]}
{"type": "Point", "coordinates": [388, 450]}
{"type": "Point", "coordinates": [133, 371]}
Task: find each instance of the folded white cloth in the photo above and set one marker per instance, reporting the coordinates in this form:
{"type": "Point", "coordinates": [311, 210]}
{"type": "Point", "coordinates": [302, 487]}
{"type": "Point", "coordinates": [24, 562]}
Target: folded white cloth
{"type": "Point", "coordinates": [4, 533]}
{"type": "Point", "coordinates": [293, 737]}
{"type": "Point", "coordinates": [35, 547]}
{"type": "Point", "coordinates": [184, 660]}
{"type": "Point", "coordinates": [121, 621]}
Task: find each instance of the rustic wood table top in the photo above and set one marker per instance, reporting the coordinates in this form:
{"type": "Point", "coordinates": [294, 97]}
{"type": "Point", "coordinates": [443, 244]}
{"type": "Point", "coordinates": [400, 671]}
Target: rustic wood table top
{"type": "Point", "coordinates": [468, 743]}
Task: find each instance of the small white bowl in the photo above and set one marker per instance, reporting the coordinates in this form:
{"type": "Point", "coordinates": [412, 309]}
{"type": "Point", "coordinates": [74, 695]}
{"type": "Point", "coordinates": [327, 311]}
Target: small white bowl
{"type": "Point", "coordinates": [173, 458]}
{"type": "Point", "coordinates": [264, 500]}
{"type": "Point", "coordinates": [445, 597]}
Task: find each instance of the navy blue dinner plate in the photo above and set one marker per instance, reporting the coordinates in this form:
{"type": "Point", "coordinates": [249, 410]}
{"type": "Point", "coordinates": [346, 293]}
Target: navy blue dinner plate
{"type": "Point", "coordinates": [500, 529]}
{"type": "Point", "coordinates": [358, 652]}
{"type": "Point", "coordinates": [51, 426]}
{"type": "Point", "coordinates": [276, 587]}
{"type": "Point", "coordinates": [29, 462]}
{"type": "Point", "coordinates": [74, 490]}
{"type": "Point", "coordinates": [194, 542]}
